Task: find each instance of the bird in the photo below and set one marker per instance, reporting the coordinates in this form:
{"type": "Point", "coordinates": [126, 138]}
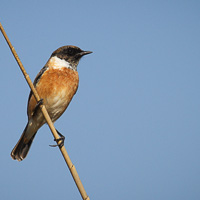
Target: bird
{"type": "Point", "coordinates": [56, 84]}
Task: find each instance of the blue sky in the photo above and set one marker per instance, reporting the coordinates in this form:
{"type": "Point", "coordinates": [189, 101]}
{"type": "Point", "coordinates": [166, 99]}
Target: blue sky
{"type": "Point", "coordinates": [132, 129]}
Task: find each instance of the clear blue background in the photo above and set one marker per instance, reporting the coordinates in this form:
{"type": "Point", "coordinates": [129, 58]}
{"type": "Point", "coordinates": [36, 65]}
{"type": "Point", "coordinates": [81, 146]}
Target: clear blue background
{"type": "Point", "coordinates": [133, 129]}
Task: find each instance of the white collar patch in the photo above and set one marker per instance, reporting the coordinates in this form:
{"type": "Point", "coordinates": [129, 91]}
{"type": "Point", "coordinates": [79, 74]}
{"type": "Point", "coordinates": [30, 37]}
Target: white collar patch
{"type": "Point", "coordinates": [58, 63]}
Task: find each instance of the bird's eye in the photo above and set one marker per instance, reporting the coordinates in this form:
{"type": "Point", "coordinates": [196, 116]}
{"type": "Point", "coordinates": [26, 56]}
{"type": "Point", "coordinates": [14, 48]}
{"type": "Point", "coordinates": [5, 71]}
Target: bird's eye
{"type": "Point", "coordinates": [71, 51]}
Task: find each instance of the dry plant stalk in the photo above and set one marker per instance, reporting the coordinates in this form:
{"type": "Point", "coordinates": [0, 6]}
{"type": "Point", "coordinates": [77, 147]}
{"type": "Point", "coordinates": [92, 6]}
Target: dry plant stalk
{"type": "Point", "coordinates": [48, 120]}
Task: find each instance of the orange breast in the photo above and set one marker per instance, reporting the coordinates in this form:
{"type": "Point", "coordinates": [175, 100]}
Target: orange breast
{"type": "Point", "coordinates": [56, 87]}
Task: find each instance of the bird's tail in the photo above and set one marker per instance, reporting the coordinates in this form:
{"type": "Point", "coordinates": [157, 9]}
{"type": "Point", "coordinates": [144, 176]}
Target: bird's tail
{"type": "Point", "coordinates": [22, 147]}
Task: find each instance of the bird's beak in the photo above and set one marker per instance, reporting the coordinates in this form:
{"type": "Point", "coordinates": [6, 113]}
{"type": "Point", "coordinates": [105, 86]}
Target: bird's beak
{"type": "Point", "coordinates": [84, 53]}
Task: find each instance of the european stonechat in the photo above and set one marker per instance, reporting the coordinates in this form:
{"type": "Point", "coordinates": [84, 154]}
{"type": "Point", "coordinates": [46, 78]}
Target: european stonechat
{"type": "Point", "coordinates": [56, 84]}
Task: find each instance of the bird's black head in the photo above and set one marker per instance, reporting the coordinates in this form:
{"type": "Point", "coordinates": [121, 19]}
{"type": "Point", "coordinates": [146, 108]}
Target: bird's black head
{"type": "Point", "coordinates": [71, 54]}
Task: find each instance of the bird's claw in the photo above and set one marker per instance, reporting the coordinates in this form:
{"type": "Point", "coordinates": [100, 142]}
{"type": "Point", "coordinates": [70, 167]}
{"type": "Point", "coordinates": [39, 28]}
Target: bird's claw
{"type": "Point", "coordinates": [40, 102]}
{"type": "Point", "coordinates": [62, 139]}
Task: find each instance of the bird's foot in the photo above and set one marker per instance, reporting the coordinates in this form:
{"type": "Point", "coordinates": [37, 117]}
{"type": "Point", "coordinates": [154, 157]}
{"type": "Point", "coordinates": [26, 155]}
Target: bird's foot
{"type": "Point", "coordinates": [62, 139]}
{"type": "Point", "coordinates": [39, 103]}
{"type": "Point", "coordinates": [37, 107]}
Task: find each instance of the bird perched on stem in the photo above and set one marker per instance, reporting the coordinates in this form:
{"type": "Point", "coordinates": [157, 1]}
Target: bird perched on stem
{"type": "Point", "coordinates": [56, 84]}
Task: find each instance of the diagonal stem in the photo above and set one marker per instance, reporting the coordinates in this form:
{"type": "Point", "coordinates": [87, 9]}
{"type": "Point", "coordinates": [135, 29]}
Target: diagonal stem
{"type": "Point", "coordinates": [48, 120]}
